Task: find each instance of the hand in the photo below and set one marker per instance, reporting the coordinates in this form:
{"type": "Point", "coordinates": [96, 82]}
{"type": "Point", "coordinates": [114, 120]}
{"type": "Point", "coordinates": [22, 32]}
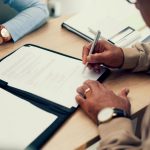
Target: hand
{"type": "Point", "coordinates": [99, 97]}
{"type": "Point", "coordinates": [104, 53]}
{"type": "Point", "coordinates": [6, 35]}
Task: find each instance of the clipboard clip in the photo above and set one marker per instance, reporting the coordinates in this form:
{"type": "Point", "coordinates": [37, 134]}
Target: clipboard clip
{"type": "Point", "coordinates": [121, 35]}
{"type": "Point", "coordinates": [123, 38]}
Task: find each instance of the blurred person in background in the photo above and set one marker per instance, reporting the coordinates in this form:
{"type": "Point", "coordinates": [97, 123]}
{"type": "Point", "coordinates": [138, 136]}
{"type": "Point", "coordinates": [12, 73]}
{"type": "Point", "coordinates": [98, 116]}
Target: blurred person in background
{"type": "Point", "coordinates": [31, 14]}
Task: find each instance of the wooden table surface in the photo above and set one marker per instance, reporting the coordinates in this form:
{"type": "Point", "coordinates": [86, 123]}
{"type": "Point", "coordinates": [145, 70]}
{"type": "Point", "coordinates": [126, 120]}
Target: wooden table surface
{"type": "Point", "coordinates": [79, 129]}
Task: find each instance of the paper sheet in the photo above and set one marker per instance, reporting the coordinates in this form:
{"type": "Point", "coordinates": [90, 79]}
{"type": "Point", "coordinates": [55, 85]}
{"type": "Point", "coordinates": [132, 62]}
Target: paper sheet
{"type": "Point", "coordinates": [21, 122]}
{"type": "Point", "coordinates": [49, 75]}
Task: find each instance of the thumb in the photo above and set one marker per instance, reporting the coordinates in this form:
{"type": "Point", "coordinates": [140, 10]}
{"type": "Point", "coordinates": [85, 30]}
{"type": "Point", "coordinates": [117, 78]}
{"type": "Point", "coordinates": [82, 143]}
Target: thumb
{"type": "Point", "coordinates": [97, 58]}
{"type": "Point", "coordinates": [80, 100]}
{"type": "Point", "coordinates": [124, 93]}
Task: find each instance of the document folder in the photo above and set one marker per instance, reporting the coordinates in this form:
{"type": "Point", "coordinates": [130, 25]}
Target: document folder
{"type": "Point", "coordinates": [129, 35]}
{"type": "Point", "coordinates": [106, 17]}
{"type": "Point", "coordinates": [8, 84]}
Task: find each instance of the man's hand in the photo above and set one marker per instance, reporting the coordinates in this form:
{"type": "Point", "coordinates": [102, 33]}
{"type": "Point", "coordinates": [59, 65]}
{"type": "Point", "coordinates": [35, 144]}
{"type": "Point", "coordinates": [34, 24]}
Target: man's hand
{"type": "Point", "coordinates": [104, 53]}
{"type": "Point", "coordinates": [94, 96]}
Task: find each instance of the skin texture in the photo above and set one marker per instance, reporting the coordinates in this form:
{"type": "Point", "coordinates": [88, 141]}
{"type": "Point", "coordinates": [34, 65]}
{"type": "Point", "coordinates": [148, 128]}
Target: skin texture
{"type": "Point", "coordinates": [144, 8]}
{"type": "Point", "coordinates": [104, 53]}
{"type": "Point", "coordinates": [99, 97]}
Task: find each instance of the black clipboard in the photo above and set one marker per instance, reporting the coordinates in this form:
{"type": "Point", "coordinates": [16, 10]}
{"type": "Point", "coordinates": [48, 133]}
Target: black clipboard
{"type": "Point", "coordinates": [62, 112]}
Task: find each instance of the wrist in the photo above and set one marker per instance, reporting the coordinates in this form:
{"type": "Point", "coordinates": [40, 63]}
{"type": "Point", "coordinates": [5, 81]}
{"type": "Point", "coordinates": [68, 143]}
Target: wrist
{"type": "Point", "coordinates": [131, 58]}
{"type": "Point", "coordinates": [109, 113]}
{"type": "Point", "coordinates": [115, 126]}
{"type": "Point", "coordinates": [121, 58]}
{"type": "Point", "coordinates": [4, 35]}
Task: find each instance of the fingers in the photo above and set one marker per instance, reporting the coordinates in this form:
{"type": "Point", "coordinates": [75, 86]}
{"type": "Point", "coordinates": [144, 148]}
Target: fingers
{"type": "Point", "coordinates": [95, 67]}
{"type": "Point", "coordinates": [94, 58]}
{"type": "Point", "coordinates": [80, 100]}
{"type": "Point", "coordinates": [94, 85]}
{"type": "Point", "coordinates": [86, 50]}
{"type": "Point", "coordinates": [124, 93]}
{"type": "Point", "coordinates": [81, 90]}
{"type": "Point", "coordinates": [89, 87]}
{"type": "Point", "coordinates": [85, 53]}
{"type": "Point", "coordinates": [97, 58]}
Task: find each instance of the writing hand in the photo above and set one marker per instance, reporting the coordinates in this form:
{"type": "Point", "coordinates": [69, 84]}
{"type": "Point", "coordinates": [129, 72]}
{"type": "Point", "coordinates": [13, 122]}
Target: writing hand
{"type": "Point", "coordinates": [104, 53]}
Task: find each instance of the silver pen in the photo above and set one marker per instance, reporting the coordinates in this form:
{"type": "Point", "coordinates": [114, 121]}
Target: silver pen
{"type": "Point", "coordinates": [93, 46]}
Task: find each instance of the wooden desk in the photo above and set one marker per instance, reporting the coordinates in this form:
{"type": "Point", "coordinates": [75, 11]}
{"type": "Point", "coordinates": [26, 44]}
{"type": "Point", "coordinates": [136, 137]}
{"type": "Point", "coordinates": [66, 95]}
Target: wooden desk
{"type": "Point", "coordinates": [79, 128]}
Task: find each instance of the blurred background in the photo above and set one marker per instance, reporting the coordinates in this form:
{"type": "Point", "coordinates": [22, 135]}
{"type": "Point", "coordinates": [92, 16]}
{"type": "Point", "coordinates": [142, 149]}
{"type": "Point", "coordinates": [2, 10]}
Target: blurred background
{"type": "Point", "coordinates": [56, 8]}
{"type": "Point", "coordinates": [68, 7]}
{"type": "Point", "coordinates": [6, 12]}
{"type": "Point", "coordinates": [65, 7]}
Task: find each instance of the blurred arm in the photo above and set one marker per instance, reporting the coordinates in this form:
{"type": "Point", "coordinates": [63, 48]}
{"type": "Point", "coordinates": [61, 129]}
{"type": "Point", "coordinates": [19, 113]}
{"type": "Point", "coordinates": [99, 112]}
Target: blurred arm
{"type": "Point", "coordinates": [137, 58]}
{"type": "Point", "coordinates": [32, 14]}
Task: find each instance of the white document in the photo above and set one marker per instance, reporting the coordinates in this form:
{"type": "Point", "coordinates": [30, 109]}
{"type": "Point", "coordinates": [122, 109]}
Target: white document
{"type": "Point", "coordinates": [95, 146]}
{"type": "Point", "coordinates": [46, 74]}
{"type": "Point", "coordinates": [21, 122]}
